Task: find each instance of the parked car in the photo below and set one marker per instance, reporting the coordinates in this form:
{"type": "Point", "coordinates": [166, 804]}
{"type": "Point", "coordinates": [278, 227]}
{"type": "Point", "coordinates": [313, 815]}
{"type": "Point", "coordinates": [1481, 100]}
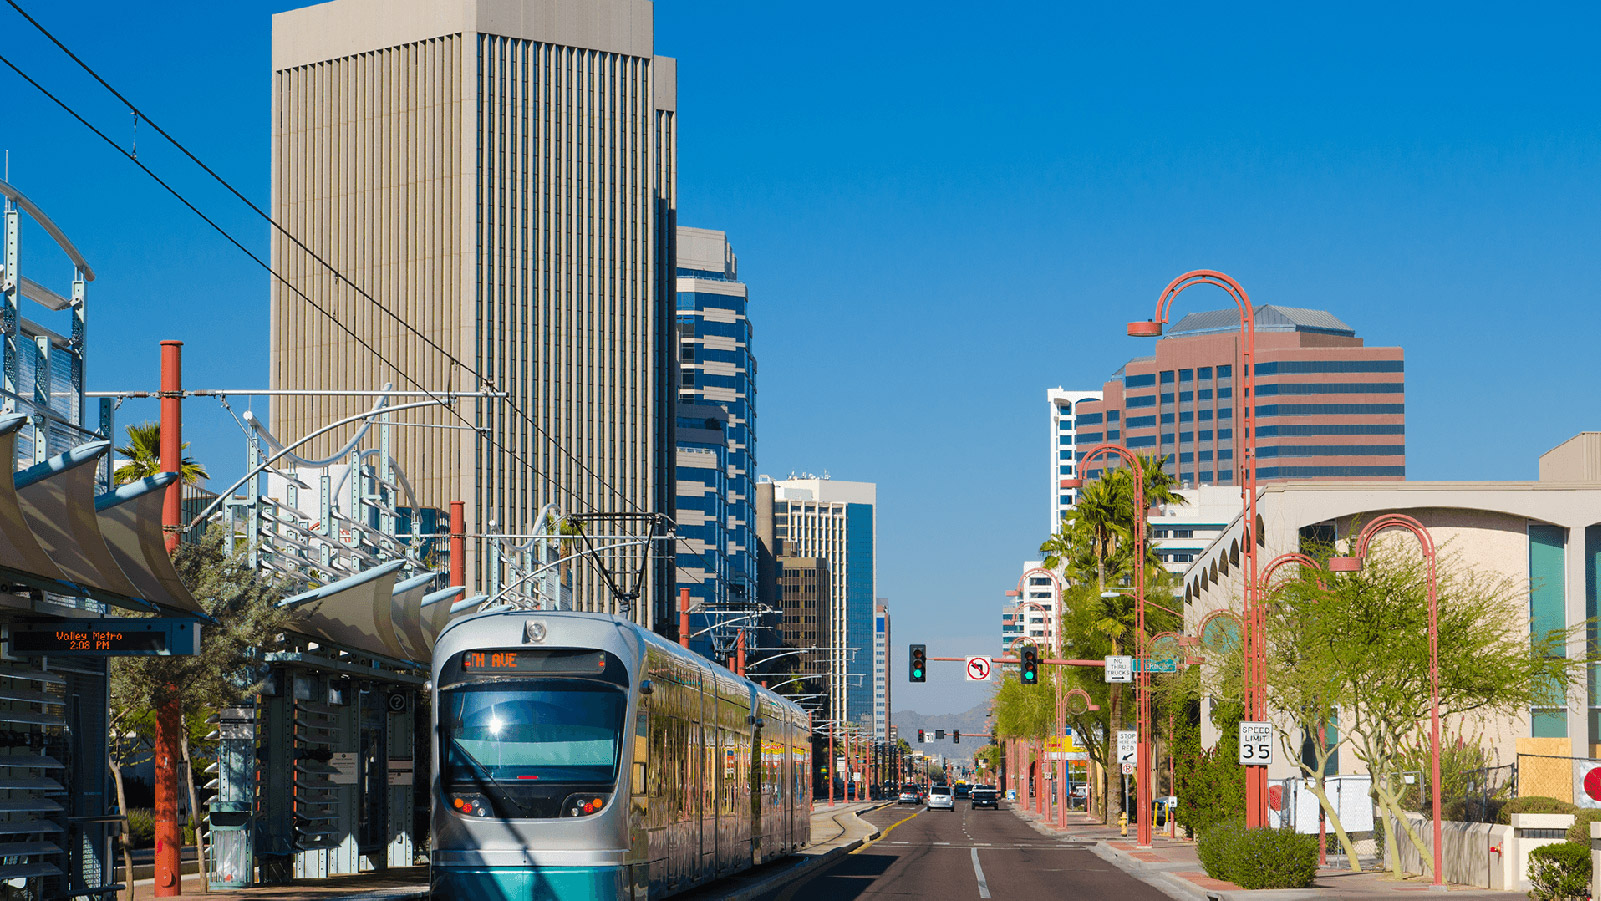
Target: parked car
{"type": "Point", "coordinates": [984, 796]}
{"type": "Point", "coordinates": [911, 793]}
{"type": "Point", "coordinates": [941, 797]}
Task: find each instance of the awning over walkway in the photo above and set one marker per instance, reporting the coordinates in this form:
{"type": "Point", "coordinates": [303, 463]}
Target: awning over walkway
{"type": "Point", "coordinates": [56, 535]}
{"type": "Point", "coordinates": [371, 613]}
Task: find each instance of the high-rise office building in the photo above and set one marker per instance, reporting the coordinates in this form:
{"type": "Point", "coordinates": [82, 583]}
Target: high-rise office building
{"type": "Point", "coordinates": [1065, 447]}
{"type": "Point", "coordinates": [500, 174]}
{"type": "Point", "coordinates": [881, 671]}
{"type": "Point", "coordinates": [837, 521]}
{"type": "Point", "coordinates": [1327, 407]}
{"type": "Point", "coordinates": [717, 553]}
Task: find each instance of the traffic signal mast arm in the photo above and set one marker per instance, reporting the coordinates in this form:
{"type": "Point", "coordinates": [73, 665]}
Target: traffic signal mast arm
{"type": "Point", "coordinates": [1043, 661]}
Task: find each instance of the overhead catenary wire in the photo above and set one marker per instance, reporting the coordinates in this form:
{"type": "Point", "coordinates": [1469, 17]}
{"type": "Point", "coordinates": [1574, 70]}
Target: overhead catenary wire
{"type": "Point", "coordinates": [280, 229]}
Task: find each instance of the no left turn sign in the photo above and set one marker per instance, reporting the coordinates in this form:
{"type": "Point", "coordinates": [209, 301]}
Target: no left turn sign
{"type": "Point", "coordinates": [978, 669]}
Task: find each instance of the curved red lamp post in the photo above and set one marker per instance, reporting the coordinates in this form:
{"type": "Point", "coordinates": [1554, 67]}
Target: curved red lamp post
{"type": "Point", "coordinates": [1255, 777]}
{"type": "Point", "coordinates": [1354, 564]}
{"type": "Point", "coordinates": [1055, 618]}
{"type": "Point", "coordinates": [1142, 778]}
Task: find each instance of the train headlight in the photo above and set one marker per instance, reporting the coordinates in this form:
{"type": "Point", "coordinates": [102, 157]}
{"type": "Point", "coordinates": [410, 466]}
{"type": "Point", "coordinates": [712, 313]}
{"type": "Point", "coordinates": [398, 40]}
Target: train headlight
{"type": "Point", "coordinates": [471, 804]}
{"type": "Point", "coordinates": [583, 804]}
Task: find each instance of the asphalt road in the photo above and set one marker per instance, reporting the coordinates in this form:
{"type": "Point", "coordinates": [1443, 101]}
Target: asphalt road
{"type": "Point", "coordinates": [966, 854]}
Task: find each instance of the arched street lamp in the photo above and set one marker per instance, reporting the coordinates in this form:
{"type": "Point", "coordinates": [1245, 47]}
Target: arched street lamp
{"type": "Point", "coordinates": [1255, 777]}
{"type": "Point", "coordinates": [1354, 564]}
{"type": "Point", "coordinates": [1142, 778]}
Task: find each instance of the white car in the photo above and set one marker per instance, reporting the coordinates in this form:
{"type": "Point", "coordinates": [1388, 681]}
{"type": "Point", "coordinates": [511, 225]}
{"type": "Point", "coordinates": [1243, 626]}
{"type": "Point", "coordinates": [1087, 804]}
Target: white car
{"type": "Point", "coordinates": [941, 796]}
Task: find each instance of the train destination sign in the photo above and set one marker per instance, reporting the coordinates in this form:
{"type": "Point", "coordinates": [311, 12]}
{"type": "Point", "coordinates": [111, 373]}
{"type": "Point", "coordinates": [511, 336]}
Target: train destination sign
{"type": "Point", "coordinates": [106, 638]}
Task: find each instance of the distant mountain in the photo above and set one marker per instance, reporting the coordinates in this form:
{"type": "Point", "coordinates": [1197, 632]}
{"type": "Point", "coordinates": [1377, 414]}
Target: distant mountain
{"type": "Point", "coordinates": [971, 723]}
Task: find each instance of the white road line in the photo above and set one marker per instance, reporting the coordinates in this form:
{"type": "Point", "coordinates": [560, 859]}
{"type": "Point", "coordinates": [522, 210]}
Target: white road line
{"type": "Point", "coordinates": [983, 887]}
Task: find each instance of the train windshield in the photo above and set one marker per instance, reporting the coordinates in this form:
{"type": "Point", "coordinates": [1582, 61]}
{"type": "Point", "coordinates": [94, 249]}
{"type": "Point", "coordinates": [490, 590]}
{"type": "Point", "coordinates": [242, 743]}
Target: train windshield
{"type": "Point", "coordinates": [537, 731]}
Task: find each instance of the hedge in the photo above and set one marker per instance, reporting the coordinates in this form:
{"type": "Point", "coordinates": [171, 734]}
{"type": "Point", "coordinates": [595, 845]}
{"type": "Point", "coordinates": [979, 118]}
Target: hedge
{"type": "Point", "coordinates": [1258, 858]}
{"type": "Point", "coordinates": [1533, 804]}
{"type": "Point", "coordinates": [1561, 870]}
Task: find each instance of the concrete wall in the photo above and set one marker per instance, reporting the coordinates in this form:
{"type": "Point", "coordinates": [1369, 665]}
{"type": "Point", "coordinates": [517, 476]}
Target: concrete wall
{"type": "Point", "coordinates": [1482, 854]}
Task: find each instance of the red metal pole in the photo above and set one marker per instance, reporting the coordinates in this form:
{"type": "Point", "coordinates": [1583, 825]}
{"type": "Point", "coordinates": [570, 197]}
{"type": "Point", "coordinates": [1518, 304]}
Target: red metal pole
{"type": "Point", "coordinates": [739, 653]}
{"type": "Point", "coordinates": [1252, 623]}
{"type": "Point", "coordinates": [172, 438]}
{"type": "Point", "coordinates": [1434, 712]}
{"type": "Point", "coordinates": [683, 617]}
{"type": "Point", "coordinates": [458, 543]}
{"type": "Point", "coordinates": [1142, 791]}
{"type": "Point", "coordinates": [169, 715]}
{"type": "Point", "coordinates": [832, 768]}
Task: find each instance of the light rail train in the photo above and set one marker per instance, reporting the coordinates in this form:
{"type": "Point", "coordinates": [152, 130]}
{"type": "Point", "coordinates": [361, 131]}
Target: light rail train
{"type": "Point", "coordinates": [579, 756]}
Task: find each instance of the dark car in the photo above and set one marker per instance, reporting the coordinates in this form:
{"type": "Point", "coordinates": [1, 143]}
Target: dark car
{"type": "Point", "coordinates": [984, 796]}
{"type": "Point", "coordinates": [962, 789]}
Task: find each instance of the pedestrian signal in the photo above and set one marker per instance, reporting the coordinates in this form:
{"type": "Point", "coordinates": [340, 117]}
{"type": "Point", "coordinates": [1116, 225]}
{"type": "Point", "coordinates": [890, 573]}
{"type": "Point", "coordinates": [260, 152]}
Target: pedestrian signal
{"type": "Point", "coordinates": [1031, 666]}
{"type": "Point", "coordinates": [919, 663]}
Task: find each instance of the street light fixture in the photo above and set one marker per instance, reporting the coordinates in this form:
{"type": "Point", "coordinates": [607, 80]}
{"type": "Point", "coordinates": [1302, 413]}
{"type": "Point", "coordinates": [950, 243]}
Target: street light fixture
{"type": "Point", "coordinates": [1353, 564]}
{"type": "Point", "coordinates": [1255, 777]}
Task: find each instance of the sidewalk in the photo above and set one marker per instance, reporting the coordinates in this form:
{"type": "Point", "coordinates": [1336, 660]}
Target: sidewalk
{"type": "Point", "coordinates": [836, 831]}
{"type": "Point", "coordinates": [1171, 865]}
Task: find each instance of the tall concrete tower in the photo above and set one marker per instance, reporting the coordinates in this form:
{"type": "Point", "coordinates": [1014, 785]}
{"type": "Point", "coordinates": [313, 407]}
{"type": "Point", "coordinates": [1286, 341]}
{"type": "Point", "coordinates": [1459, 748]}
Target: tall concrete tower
{"type": "Point", "coordinates": [501, 175]}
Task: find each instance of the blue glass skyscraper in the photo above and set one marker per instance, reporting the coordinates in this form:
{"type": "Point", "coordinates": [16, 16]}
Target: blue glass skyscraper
{"type": "Point", "coordinates": [716, 443]}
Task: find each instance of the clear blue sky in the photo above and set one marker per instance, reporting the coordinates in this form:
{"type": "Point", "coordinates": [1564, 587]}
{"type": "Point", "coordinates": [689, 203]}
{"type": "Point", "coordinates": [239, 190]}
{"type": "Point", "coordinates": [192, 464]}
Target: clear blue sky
{"type": "Point", "coordinates": [946, 209]}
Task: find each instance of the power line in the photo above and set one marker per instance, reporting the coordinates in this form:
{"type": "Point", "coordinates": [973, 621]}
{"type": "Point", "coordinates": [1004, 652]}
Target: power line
{"type": "Point", "coordinates": [340, 276]}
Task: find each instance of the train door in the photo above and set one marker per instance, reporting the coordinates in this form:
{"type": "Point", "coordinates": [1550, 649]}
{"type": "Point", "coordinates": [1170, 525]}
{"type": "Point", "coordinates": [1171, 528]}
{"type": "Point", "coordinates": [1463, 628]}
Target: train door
{"type": "Point", "coordinates": [756, 779]}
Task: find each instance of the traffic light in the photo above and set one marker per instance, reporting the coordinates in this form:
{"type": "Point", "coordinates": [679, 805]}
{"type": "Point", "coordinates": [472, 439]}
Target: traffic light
{"type": "Point", "coordinates": [939, 734]}
{"type": "Point", "coordinates": [919, 736]}
{"type": "Point", "coordinates": [919, 663]}
{"type": "Point", "coordinates": [956, 737]}
{"type": "Point", "coordinates": [1031, 666]}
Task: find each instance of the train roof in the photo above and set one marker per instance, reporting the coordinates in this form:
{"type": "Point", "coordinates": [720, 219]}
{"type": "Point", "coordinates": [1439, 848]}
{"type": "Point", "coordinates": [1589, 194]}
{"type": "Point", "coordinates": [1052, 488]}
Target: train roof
{"type": "Point", "coordinates": [644, 634]}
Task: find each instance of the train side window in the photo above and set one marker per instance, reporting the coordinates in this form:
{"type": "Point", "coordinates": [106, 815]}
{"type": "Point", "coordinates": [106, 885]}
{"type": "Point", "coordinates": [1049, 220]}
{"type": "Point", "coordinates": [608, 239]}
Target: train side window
{"type": "Point", "coordinates": [639, 777]}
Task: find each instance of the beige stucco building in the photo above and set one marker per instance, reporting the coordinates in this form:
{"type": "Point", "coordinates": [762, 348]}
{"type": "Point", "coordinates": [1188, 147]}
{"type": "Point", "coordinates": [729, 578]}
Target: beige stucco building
{"type": "Point", "coordinates": [500, 175]}
{"type": "Point", "coordinates": [1545, 536]}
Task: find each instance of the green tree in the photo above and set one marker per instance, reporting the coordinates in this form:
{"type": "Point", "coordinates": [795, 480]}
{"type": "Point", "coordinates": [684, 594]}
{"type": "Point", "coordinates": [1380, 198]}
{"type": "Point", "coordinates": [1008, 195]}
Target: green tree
{"type": "Point", "coordinates": [1355, 654]}
{"type": "Point", "coordinates": [226, 672]}
{"type": "Point", "coordinates": [143, 453]}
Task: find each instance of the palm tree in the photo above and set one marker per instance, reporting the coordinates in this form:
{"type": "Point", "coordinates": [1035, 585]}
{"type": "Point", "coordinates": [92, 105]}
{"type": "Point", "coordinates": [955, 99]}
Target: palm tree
{"type": "Point", "coordinates": [143, 453]}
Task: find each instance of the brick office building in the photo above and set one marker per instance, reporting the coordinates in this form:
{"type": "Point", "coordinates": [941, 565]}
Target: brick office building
{"type": "Point", "coordinates": [1327, 406]}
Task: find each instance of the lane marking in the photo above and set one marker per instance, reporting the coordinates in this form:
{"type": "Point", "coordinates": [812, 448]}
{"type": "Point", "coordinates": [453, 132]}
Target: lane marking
{"type": "Point", "coordinates": [870, 842]}
{"type": "Point", "coordinates": [983, 887]}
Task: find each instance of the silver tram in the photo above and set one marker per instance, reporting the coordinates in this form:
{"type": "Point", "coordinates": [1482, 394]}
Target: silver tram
{"type": "Point", "coordinates": [580, 756]}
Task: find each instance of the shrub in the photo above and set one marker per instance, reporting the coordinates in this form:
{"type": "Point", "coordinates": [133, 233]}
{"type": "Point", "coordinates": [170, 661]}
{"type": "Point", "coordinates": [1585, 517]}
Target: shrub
{"type": "Point", "coordinates": [1258, 858]}
{"type": "Point", "coordinates": [1580, 830]}
{"type": "Point", "coordinates": [1533, 804]}
{"type": "Point", "coordinates": [141, 827]}
{"type": "Point", "coordinates": [1561, 870]}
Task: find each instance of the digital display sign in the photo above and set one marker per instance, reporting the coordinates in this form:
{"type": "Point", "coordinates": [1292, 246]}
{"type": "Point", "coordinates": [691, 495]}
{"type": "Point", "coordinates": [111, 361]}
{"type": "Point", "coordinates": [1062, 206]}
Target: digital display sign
{"type": "Point", "coordinates": [531, 661]}
{"type": "Point", "coordinates": [106, 638]}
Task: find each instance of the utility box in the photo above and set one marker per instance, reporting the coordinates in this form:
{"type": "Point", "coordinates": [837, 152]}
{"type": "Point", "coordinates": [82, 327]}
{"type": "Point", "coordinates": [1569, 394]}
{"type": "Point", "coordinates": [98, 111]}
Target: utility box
{"type": "Point", "coordinates": [231, 817]}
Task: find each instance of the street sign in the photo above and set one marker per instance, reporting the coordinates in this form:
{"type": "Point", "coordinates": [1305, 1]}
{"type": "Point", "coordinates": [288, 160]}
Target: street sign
{"type": "Point", "coordinates": [1256, 744]}
{"type": "Point", "coordinates": [839, 762]}
{"type": "Point", "coordinates": [1119, 668]}
{"type": "Point", "coordinates": [1156, 666]}
{"type": "Point", "coordinates": [1128, 745]}
{"type": "Point", "coordinates": [1128, 769]}
{"type": "Point", "coordinates": [978, 669]}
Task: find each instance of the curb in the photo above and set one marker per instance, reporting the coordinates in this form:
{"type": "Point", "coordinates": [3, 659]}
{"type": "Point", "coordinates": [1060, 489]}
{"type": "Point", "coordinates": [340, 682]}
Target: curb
{"type": "Point", "coordinates": [806, 864]}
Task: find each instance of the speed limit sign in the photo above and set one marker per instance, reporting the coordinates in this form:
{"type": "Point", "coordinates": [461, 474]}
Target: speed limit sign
{"type": "Point", "coordinates": [1256, 744]}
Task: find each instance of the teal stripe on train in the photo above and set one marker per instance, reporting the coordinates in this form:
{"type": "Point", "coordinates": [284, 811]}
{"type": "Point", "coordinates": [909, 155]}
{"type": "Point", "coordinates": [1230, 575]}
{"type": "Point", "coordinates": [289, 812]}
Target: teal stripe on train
{"type": "Point", "coordinates": [527, 883]}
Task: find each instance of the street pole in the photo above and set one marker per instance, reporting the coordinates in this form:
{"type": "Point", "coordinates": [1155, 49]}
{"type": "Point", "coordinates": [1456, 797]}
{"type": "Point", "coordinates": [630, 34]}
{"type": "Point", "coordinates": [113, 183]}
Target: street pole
{"type": "Point", "coordinates": [683, 617]}
{"type": "Point", "coordinates": [1353, 564]}
{"type": "Point", "coordinates": [169, 715]}
{"type": "Point", "coordinates": [1253, 640]}
{"type": "Point", "coordinates": [1143, 764]}
{"type": "Point", "coordinates": [831, 765]}
{"type": "Point", "coordinates": [458, 544]}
